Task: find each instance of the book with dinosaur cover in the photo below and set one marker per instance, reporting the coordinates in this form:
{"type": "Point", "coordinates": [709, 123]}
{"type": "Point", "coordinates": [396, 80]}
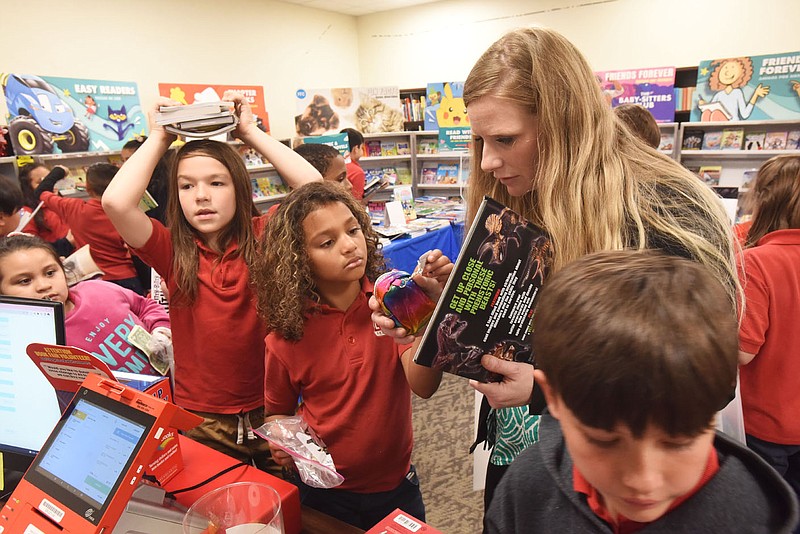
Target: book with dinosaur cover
{"type": "Point", "coordinates": [487, 306]}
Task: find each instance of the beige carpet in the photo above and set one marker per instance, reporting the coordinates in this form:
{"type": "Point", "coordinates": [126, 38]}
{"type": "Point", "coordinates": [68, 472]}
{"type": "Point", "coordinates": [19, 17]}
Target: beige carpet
{"type": "Point", "coordinates": [443, 433]}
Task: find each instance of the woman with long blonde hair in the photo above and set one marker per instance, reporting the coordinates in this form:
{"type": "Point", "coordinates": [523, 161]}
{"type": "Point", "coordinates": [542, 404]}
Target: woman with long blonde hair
{"type": "Point", "coordinates": [547, 145]}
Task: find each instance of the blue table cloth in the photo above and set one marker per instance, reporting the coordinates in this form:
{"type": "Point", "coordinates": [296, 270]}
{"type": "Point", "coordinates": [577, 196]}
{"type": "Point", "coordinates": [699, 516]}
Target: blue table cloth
{"type": "Point", "coordinates": [404, 253]}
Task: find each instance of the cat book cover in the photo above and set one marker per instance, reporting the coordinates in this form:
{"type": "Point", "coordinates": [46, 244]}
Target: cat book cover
{"type": "Point", "coordinates": [487, 306]}
{"type": "Point", "coordinates": [732, 139]}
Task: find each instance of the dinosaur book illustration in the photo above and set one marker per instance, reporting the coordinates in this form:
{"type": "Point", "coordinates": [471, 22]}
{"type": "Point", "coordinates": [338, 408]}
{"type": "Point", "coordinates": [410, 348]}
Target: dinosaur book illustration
{"type": "Point", "coordinates": [488, 302]}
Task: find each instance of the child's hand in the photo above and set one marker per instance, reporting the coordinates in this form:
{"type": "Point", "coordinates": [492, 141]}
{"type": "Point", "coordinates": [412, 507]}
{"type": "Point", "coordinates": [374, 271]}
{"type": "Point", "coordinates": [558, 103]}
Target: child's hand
{"type": "Point", "coordinates": [434, 274]}
{"type": "Point", "coordinates": [281, 457]}
{"type": "Point", "coordinates": [155, 129]}
{"type": "Point", "coordinates": [386, 324]}
{"type": "Point", "coordinates": [247, 121]}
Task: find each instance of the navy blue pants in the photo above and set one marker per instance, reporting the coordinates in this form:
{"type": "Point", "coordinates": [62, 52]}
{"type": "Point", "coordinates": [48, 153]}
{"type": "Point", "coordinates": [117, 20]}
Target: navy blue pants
{"type": "Point", "coordinates": [784, 458]}
{"type": "Point", "coordinates": [365, 510]}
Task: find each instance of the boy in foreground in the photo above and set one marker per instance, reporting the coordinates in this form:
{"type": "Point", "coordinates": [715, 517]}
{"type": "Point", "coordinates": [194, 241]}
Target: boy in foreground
{"type": "Point", "coordinates": [635, 353]}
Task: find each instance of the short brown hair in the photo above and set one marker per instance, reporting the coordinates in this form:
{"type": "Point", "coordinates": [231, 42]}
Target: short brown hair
{"type": "Point", "coordinates": [98, 176]}
{"type": "Point", "coordinates": [638, 338]}
{"type": "Point", "coordinates": [640, 122]}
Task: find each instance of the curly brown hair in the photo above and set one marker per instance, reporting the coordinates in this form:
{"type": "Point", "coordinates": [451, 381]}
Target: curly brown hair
{"type": "Point", "coordinates": [281, 275]}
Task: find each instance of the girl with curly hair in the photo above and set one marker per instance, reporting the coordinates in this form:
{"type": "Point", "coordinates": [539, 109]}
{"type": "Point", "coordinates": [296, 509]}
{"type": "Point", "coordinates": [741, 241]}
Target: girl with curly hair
{"type": "Point", "coordinates": [319, 260]}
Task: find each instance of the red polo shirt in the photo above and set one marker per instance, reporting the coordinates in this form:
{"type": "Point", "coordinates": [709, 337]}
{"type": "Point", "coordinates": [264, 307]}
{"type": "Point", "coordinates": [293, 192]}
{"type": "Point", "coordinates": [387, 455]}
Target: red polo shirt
{"type": "Point", "coordinates": [355, 393]}
{"type": "Point", "coordinates": [769, 330]}
{"type": "Point", "coordinates": [357, 177]}
{"type": "Point", "coordinates": [219, 339]}
{"type": "Point", "coordinates": [90, 225]}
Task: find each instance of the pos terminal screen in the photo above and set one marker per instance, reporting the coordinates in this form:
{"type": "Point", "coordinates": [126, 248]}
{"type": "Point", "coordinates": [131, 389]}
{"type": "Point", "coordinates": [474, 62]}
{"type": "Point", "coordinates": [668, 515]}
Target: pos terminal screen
{"type": "Point", "coordinates": [86, 456]}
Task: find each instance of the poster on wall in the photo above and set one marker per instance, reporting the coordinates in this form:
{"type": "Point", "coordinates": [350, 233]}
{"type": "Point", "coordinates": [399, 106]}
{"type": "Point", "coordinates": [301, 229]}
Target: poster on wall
{"type": "Point", "coordinates": [190, 93]}
{"type": "Point", "coordinates": [748, 88]}
{"type": "Point", "coordinates": [652, 88]}
{"type": "Point", "coordinates": [367, 109]}
{"type": "Point", "coordinates": [49, 115]}
{"type": "Point", "coordinates": [445, 111]}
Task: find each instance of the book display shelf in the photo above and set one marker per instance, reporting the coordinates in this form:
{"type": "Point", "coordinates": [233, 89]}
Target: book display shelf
{"type": "Point", "coordinates": [77, 162]}
{"type": "Point", "coordinates": [669, 136]}
{"type": "Point", "coordinates": [729, 152]}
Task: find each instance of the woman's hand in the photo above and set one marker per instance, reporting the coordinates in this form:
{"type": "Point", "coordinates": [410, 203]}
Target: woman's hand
{"type": "Point", "coordinates": [515, 389]}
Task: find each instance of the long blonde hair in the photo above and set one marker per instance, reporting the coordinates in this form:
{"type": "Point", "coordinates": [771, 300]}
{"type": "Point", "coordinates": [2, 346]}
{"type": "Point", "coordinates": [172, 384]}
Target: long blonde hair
{"type": "Point", "coordinates": [595, 187]}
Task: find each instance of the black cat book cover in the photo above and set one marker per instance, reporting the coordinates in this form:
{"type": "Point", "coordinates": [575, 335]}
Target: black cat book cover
{"type": "Point", "coordinates": [487, 306]}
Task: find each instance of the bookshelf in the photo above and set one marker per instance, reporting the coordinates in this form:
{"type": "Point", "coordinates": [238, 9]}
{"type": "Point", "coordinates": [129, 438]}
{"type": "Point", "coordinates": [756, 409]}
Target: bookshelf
{"type": "Point", "coordinates": [411, 101]}
{"type": "Point", "coordinates": [669, 138]}
{"type": "Point", "coordinates": [730, 170]}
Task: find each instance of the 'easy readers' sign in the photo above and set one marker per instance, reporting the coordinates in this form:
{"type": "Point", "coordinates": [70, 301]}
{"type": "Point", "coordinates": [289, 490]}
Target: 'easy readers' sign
{"type": "Point", "coordinates": [50, 115]}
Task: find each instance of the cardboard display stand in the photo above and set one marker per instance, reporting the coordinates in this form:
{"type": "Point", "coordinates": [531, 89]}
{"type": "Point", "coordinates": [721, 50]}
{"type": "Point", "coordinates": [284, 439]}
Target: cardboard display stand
{"type": "Point", "coordinates": [93, 460]}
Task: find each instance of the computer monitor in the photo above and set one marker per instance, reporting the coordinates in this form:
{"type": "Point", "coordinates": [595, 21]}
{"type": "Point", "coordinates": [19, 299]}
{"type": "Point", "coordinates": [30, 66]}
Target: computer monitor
{"type": "Point", "coordinates": [29, 408]}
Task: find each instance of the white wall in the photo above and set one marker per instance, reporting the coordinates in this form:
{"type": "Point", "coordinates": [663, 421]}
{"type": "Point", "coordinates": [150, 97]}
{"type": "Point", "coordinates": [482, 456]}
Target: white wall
{"type": "Point", "coordinates": [251, 42]}
{"type": "Point", "coordinates": [441, 41]}
{"type": "Point", "coordinates": [284, 47]}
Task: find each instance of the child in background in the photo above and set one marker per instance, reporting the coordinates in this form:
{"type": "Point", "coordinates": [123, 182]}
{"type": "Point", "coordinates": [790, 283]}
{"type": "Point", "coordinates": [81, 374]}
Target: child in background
{"type": "Point", "coordinates": [98, 315]}
{"type": "Point", "coordinates": [640, 122]}
{"type": "Point", "coordinates": [769, 337]}
{"type": "Point", "coordinates": [46, 223]}
{"type": "Point", "coordinates": [205, 260]}
{"type": "Point", "coordinates": [355, 174]}
{"type": "Point", "coordinates": [90, 225]}
{"type": "Point", "coordinates": [635, 354]}
{"type": "Point", "coordinates": [11, 203]}
{"type": "Point", "coordinates": [313, 280]}
{"type": "Point", "coordinates": [328, 162]}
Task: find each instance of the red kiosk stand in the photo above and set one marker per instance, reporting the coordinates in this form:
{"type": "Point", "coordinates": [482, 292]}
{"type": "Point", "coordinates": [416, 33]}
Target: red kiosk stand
{"type": "Point", "coordinates": [95, 457]}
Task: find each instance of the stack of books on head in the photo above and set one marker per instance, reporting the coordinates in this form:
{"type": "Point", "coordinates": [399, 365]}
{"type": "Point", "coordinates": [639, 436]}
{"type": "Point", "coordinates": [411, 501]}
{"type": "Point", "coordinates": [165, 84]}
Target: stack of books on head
{"type": "Point", "coordinates": [203, 119]}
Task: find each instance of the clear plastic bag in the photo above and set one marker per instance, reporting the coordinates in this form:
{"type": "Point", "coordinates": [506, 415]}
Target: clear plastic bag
{"type": "Point", "coordinates": [297, 439]}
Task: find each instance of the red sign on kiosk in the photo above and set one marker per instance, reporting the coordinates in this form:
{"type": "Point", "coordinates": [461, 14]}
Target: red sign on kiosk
{"type": "Point", "coordinates": [95, 457]}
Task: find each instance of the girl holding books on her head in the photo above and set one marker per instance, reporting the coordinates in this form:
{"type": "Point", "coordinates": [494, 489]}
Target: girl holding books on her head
{"type": "Point", "coordinates": [547, 145]}
{"type": "Point", "coordinates": [320, 259]}
{"type": "Point", "coordinates": [205, 258]}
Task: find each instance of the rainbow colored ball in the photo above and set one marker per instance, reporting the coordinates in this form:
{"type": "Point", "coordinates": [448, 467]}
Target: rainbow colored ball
{"type": "Point", "coordinates": [403, 300]}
